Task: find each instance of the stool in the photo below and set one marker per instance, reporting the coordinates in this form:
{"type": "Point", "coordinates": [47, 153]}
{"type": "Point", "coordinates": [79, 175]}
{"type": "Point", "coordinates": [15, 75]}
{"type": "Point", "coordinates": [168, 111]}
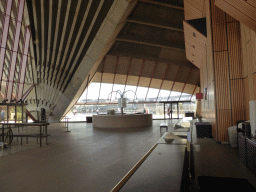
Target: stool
{"type": "Point", "coordinates": [164, 125]}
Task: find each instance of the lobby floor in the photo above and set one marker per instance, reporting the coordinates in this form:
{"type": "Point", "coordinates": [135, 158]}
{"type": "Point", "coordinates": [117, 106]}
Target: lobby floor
{"type": "Point", "coordinates": [88, 159]}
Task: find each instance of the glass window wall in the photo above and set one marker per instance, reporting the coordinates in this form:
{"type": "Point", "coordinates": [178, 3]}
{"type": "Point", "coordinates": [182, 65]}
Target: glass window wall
{"type": "Point", "coordinates": [135, 102]}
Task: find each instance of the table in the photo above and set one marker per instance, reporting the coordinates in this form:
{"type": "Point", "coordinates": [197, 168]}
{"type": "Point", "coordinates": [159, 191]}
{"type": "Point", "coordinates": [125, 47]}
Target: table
{"type": "Point", "coordinates": [66, 123]}
{"type": "Point", "coordinates": [161, 171]}
{"type": "Point", "coordinates": [17, 125]}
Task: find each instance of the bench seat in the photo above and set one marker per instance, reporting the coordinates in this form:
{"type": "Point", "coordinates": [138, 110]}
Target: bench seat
{"type": "Point", "coordinates": [21, 135]}
{"type": "Point", "coordinates": [164, 125]}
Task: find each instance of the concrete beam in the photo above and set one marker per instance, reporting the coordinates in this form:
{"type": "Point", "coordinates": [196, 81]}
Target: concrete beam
{"type": "Point", "coordinates": [92, 59]}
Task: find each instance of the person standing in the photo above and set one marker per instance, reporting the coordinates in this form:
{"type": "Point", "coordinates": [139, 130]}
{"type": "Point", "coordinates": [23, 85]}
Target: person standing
{"type": "Point", "coordinates": [2, 115]}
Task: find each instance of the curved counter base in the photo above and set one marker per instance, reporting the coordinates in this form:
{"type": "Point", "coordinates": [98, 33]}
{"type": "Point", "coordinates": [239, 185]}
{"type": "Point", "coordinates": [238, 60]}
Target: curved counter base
{"type": "Point", "coordinates": [122, 121]}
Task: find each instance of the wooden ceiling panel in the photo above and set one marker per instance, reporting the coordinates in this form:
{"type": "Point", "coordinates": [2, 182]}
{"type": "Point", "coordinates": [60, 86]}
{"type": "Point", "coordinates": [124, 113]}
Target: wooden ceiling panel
{"type": "Point", "coordinates": [123, 65]}
{"type": "Point", "coordinates": [120, 79]}
{"type": "Point", "coordinates": [189, 89]}
{"type": "Point", "coordinates": [132, 80]}
{"type": "Point", "coordinates": [136, 66]}
{"type": "Point", "coordinates": [172, 72]}
{"type": "Point", "coordinates": [158, 14]}
{"type": "Point", "coordinates": [178, 87]}
{"type": "Point", "coordinates": [110, 64]}
{"type": "Point", "coordinates": [107, 77]}
{"type": "Point", "coordinates": [97, 77]}
{"type": "Point", "coordinates": [171, 54]}
{"type": "Point", "coordinates": [160, 70]}
{"type": "Point", "coordinates": [167, 85]}
{"type": "Point", "coordinates": [155, 83]}
{"type": "Point", "coordinates": [148, 69]}
{"type": "Point", "coordinates": [144, 82]}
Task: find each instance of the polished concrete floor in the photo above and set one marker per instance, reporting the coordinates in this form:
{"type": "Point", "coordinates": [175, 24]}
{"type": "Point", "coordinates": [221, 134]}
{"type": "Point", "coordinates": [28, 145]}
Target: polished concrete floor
{"type": "Point", "coordinates": [88, 159]}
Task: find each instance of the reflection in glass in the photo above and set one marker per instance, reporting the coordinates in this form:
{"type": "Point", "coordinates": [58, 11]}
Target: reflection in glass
{"type": "Point", "coordinates": [185, 97]}
{"type": "Point", "coordinates": [174, 96]}
{"type": "Point", "coordinates": [3, 114]}
{"type": "Point", "coordinates": [181, 111]}
{"type": "Point", "coordinates": [19, 114]}
{"type": "Point", "coordinates": [11, 114]}
{"type": "Point", "coordinates": [163, 95]}
{"type": "Point", "coordinates": [24, 120]}
{"type": "Point", "coordinates": [174, 111]}
{"type": "Point", "coordinates": [152, 94]}
{"type": "Point", "coordinates": [141, 93]}
{"type": "Point", "coordinates": [134, 104]}
{"type": "Point", "coordinates": [90, 95]}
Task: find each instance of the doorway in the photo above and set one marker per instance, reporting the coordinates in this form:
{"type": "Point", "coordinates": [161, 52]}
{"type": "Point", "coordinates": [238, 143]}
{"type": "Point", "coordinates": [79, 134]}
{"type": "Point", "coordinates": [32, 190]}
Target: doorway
{"type": "Point", "coordinates": [174, 110]}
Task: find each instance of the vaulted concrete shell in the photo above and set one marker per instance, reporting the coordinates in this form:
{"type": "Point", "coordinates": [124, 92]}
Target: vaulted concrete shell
{"type": "Point", "coordinates": [72, 40]}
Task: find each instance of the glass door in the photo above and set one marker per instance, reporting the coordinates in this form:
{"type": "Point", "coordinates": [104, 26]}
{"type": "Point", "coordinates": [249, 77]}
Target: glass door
{"type": "Point", "coordinates": [181, 111]}
{"type": "Point", "coordinates": [174, 111]}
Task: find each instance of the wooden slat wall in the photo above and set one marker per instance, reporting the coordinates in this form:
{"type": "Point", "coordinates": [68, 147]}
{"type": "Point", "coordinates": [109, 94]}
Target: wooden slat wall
{"type": "Point", "coordinates": [219, 29]}
{"type": "Point", "coordinates": [234, 49]}
{"type": "Point", "coordinates": [238, 101]}
{"type": "Point", "coordinates": [194, 9]}
{"type": "Point", "coordinates": [207, 77]}
{"type": "Point", "coordinates": [224, 122]}
{"type": "Point", "coordinates": [228, 71]}
{"type": "Point", "coordinates": [222, 80]}
{"type": "Point", "coordinates": [246, 97]}
{"type": "Point", "coordinates": [221, 70]}
{"type": "Point", "coordinates": [248, 42]}
{"type": "Point", "coordinates": [243, 11]}
{"type": "Point", "coordinates": [254, 84]}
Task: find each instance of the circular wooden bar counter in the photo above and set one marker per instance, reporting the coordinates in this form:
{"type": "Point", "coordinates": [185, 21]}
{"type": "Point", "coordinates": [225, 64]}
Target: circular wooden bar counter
{"type": "Point", "coordinates": [122, 121]}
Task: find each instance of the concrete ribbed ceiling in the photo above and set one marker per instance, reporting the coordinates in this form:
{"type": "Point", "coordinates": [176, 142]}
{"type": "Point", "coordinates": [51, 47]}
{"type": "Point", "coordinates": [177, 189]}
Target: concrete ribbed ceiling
{"type": "Point", "coordinates": [62, 32]}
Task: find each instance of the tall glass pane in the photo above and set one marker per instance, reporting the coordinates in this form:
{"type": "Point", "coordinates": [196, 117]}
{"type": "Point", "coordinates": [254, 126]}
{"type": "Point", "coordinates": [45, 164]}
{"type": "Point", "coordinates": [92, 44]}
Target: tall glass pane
{"type": "Point", "coordinates": [19, 114]}
{"type": "Point", "coordinates": [3, 110]}
{"type": "Point", "coordinates": [152, 94]}
{"type": "Point", "coordinates": [93, 93]}
{"type": "Point", "coordinates": [130, 93]}
{"type": "Point", "coordinates": [159, 111]}
{"type": "Point", "coordinates": [105, 90]}
{"type": "Point", "coordinates": [174, 111]}
{"type": "Point", "coordinates": [174, 96]}
{"type": "Point", "coordinates": [181, 111]}
{"type": "Point", "coordinates": [11, 114]}
{"type": "Point", "coordinates": [168, 110]}
{"type": "Point", "coordinates": [141, 93]}
{"type": "Point", "coordinates": [185, 97]}
{"type": "Point", "coordinates": [163, 95]}
{"type": "Point", "coordinates": [24, 114]}
{"type": "Point", "coordinates": [117, 90]}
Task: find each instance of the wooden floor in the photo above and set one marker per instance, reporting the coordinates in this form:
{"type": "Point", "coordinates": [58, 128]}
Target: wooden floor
{"type": "Point", "coordinates": [88, 159]}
